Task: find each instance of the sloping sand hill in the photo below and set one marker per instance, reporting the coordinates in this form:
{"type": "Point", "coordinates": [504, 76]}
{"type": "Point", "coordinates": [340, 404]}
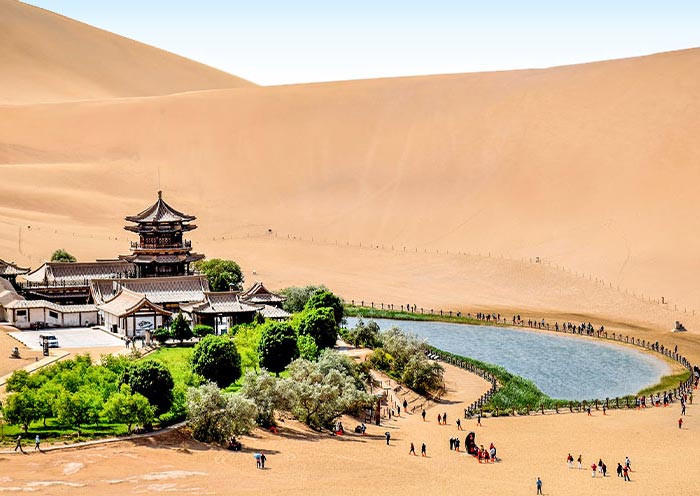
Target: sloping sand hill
{"type": "Point", "coordinates": [47, 57]}
{"type": "Point", "coordinates": [592, 168]}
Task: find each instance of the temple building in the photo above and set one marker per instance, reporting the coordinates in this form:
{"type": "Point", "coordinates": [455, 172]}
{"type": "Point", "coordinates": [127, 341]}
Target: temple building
{"type": "Point", "coordinates": [161, 250]}
{"type": "Point", "coordinates": [10, 271]}
{"type": "Point", "coordinates": [68, 283]}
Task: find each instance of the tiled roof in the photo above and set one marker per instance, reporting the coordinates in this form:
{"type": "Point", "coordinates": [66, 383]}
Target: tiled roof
{"type": "Point", "coordinates": [258, 293]}
{"type": "Point", "coordinates": [22, 304]}
{"type": "Point", "coordinates": [7, 292]}
{"type": "Point", "coordinates": [71, 273]}
{"type": "Point", "coordinates": [270, 312]}
{"type": "Point", "coordinates": [10, 269]}
{"type": "Point", "coordinates": [223, 302]}
{"type": "Point", "coordinates": [127, 301]}
{"type": "Point", "coordinates": [179, 289]}
{"type": "Point", "coordinates": [160, 212]}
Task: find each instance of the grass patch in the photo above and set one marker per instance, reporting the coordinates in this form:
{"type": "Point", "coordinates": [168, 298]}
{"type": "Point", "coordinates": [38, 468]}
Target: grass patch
{"type": "Point", "coordinates": [177, 359]}
{"type": "Point", "coordinates": [54, 433]}
{"type": "Point", "coordinates": [667, 382]}
{"type": "Point", "coordinates": [376, 313]}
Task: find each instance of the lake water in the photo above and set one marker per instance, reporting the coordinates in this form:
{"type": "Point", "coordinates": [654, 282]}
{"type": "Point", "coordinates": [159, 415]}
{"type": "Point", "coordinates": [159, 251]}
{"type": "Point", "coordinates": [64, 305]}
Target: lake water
{"type": "Point", "coordinates": [562, 366]}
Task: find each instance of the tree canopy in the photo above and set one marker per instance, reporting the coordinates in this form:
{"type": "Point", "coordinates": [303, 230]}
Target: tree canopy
{"type": "Point", "coordinates": [180, 329]}
{"type": "Point", "coordinates": [215, 417]}
{"type": "Point", "coordinates": [321, 325]}
{"type": "Point", "coordinates": [62, 255]}
{"type": "Point", "coordinates": [152, 379]}
{"type": "Point", "coordinates": [221, 274]}
{"type": "Point", "coordinates": [216, 358]}
{"type": "Point", "coordinates": [278, 346]}
{"type": "Point", "coordinates": [298, 296]}
{"type": "Point", "coordinates": [326, 299]}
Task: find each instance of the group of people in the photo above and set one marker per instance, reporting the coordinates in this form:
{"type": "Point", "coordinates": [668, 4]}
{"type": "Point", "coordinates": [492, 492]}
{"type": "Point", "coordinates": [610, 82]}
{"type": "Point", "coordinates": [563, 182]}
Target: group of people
{"type": "Point", "coordinates": [412, 451]}
{"type": "Point", "coordinates": [601, 468]}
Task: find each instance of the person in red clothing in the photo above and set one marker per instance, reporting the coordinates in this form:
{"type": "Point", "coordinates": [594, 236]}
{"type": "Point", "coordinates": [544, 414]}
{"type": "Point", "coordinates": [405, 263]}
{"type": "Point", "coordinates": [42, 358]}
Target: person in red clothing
{"type": "Point", "coordinates": [680, 422]}
{"type": "Point", "coordinates": [625, 473]}
{"type": "Point", "coordinates": [593, 469]}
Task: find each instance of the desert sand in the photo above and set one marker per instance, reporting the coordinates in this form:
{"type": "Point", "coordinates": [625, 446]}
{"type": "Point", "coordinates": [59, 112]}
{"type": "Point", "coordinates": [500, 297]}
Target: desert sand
{"type": "Point", "coordinates": [440, 191]}
{"type": "Point", "coordinates": [304, 462]}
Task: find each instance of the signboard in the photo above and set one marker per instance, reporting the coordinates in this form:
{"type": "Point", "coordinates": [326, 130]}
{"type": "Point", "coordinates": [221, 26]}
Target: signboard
{"type": "Point", "coordinates": [143, 324]}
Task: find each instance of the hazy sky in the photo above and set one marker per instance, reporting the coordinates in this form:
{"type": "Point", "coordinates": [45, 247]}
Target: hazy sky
{"type": "Point", "coordinates": [278, 42]}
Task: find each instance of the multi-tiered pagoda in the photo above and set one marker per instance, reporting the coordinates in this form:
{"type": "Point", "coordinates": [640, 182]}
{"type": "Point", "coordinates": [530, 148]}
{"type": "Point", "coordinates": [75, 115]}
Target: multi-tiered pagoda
{"type": "Point", "coordinates": [161, 249]}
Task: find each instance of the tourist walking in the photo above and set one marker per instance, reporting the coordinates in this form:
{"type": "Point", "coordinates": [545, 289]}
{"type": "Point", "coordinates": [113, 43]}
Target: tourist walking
{"type": "Point", "coordinates": [570, 461]}
{"type": "Point", "coordinates": [580, 462]}
{"type": "Point", "coordinates": [625, 474]}
{"type": "Point", "coordinates": [387, 434]}
{"type": "Point", "coordinates": [444, 419]}
{"type": "Point", "coordinates": [628, 463]}
{"type": "Point", "coordinates": [593, 469]}
{"type": "Point", "coordinates": [37, 441]}
{"type": "Point", "coordinates": [18, 444]}
{"type": "Point", "coordinates": [423, 415]}
{"type": "Point", "coordinates": [680, 422]}
{"type": "Point", "coordinates": [263, 459]}
{"type": "Point", "coordinates": [459, 422]}
{"type": "Point", "coordinates": [605, 470]}
{"type": "Point", "coordinates": [539, 485]}
{"type": "Point", "coordinates": [683, 408]}
{"type": "Point", "coordinates": [439, 419]}
{"type": "Point", "coordinates": [452, 443]}
{"type": "Point", "coordinates": [423, 450]}
{"type": "Point", "coordinates": [478, 419]}
{"type": "Point", "coordinates": [619, 469]}
{"type": "Point", "coordinates": [457, 444]}
{"type": "Point", "coordinates": [412, 451]}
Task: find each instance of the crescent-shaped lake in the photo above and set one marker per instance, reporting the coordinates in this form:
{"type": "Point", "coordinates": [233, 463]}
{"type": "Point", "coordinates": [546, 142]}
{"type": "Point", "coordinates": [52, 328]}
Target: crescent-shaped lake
{"type": "Point", "coordinates": [562, 366]}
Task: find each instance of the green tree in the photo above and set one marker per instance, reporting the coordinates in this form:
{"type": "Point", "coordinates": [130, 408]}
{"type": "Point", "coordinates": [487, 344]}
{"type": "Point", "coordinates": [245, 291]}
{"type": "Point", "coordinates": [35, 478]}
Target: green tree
{"type": "Point", "coordinates": [62, 255]}
{"type": "Point", "coordinates": [215, 417]}
{"type": "Point", "coordinates": [278, 346]}
{"type": "Point", "coordinates": [153, 380]}
{"type": "Point", "coordinates": [326, 299]}
{"type": "Point", "coordinates": [221, 274]}
{"type": "Point", "coordinates": [180, 329]}
{"type": "Point", "coordinates": [18, 381]}
{"type": "Point", "coordinates": [423, 376]}
{"type": "Point", "coordinates": [364, 335]}
{"type": "Point", "coordinates": [162, 334]}
{"type": "Point", "coordinates": [201, 330]}
{"type": "Point", "coordinates": [307, 347]}
{"type": "Point", "coordinates": [321, 325]}
{"type": "Point", "coordinates": [128, 408]}
{"type": "Point", "coordinates": [216, 358]}
{"type": "Point", "coordinates": [79, 408]}
{"type": "Point", "coordinates": [247, 339]}
{"type": "Point", "coordinates": [297, 297]}
{"type": "Point", "coordinates": [20, 409]}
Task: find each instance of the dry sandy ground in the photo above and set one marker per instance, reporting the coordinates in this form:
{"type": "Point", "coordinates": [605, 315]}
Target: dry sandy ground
{"type": "Point", "coordinates": [302, 462]}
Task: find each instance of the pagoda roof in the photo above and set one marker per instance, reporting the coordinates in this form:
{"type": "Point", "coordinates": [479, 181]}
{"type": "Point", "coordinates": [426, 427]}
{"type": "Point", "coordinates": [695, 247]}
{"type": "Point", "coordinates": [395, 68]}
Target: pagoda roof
{"type": "Point", "coordinates": [7, 292]}
{"type": "Point", "coordinates": [160, 212]}
{"type": "Point", "coordinates": [71, 273]}
{"type": "Point", "coordinates": [29, 304]}
{"type": "Point", "coordinates": [221, 303]}
{"type": "Point", "coordinates": [142, 258]}
{"type": "Point", "coordinates": [177, 289]}
{"type": "Point", "coordinates": [10, 269]}
{"type": "Point", "coordinates": [258, 293]}
{"type": "Point", "coordinates": [274, 313]}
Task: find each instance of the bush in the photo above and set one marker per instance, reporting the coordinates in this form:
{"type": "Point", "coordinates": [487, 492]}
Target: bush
{"type": "Point", "coordinates": [201, 330]}
{"type": "Point", "coordinates": [320, 324]}
{"type": "Point", "coordinates": [326, 299]}
{"type": "Point", "coordinates": [363, 335]}
{"type": "Point", "coordinates": [307, 347]}
{"type": "Point", "coordinates": [153, 380]}
{"type": "Point", "coordinates": [215, 417]}
{"type": "Point", "coordinates": [162, 334]}
{"type": "Point", "coordinates": [267, 393]}
{"type": "Point", "coordinates": [180, 329]}
{"type": "Point", "coordinates": [128, 408]}
{"type": "Point", "coordinates": [278, 346]}
{"type": "Point", "coordinates": [216, 358]}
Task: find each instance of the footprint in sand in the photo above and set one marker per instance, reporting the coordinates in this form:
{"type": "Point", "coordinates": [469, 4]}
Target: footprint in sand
{"type": "Point", "coordinates": [71, 468]}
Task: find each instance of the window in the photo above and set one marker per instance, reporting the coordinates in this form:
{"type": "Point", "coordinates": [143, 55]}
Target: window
{"type": "Point", "coordinates": [21, 313]}
{"type": "Point", "coordinates": [53, 315]}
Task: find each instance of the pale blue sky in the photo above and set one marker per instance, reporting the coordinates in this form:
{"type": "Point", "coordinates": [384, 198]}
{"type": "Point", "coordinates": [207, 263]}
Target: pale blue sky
{"type": "Point", "coordinates": [279, 42]}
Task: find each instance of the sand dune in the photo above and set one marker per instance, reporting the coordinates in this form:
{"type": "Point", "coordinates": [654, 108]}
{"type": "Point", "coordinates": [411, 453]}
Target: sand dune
{"type": "Point", "coordinates": [592, 167]}
{"type": "Point", "coordinates": [48, 57]}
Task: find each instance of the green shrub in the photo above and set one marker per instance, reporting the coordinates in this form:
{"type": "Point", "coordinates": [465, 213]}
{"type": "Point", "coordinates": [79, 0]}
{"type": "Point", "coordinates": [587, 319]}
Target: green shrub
{"type": "Point", "coordinates": [216, 358]}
